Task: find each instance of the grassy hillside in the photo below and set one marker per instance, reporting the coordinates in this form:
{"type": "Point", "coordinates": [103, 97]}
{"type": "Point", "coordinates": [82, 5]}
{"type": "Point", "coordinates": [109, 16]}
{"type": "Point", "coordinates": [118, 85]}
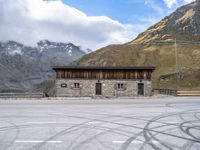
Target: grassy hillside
{"type": "Point", "coordinates": [155, 47]}
{"type": "Point", "coordinates": [160, 55]}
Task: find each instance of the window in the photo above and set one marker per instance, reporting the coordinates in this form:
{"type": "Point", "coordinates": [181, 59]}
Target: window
{"type": "Point", "coordinates": [63, 85]}
{"type": "Point", "coordinates": [77, 85]}
{"type": "Point", "coordinates": [120, 86]}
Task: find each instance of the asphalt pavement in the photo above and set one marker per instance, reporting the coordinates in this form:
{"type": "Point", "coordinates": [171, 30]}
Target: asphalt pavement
{"type": "Point", "coordinates": [170, 123]}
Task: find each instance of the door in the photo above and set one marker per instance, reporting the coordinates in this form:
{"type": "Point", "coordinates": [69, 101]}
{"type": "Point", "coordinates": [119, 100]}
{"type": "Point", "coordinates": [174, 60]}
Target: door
{"type": "Point", "coordinates": [98, 88]}
{"type": "Point", "coordinates": [140, 89]}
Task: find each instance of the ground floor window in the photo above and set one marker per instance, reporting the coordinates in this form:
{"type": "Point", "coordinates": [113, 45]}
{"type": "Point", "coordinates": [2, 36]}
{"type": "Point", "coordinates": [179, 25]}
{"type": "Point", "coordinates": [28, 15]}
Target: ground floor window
{"type": "Point", "coordinates": [77, 85]}
{"type": "Point", "coordinates": [120, 86]}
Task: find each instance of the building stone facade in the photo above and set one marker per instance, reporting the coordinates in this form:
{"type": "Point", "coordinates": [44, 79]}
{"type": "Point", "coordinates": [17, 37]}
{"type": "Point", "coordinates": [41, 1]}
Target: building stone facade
{"type": "Point", "coordinates": [109, 90]}
{"type": "Point", "coordinates": [102, 83]}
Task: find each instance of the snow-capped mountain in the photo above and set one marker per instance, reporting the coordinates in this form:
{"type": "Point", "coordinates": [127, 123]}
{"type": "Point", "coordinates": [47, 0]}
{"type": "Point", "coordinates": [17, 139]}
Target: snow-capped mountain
{"type": "Point", "coordinates": [23, 67]}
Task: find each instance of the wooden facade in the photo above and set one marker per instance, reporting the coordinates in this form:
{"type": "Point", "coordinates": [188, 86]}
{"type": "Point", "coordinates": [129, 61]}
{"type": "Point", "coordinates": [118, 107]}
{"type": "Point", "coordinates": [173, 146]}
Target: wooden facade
{"type": "Point", "coordinates": [104, 72]}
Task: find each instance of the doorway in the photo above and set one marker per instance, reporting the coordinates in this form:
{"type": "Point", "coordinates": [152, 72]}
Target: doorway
{"type": "Point", "coordinates": [140, 89]}
{"type": "Point", "coordinates": [98, 89]}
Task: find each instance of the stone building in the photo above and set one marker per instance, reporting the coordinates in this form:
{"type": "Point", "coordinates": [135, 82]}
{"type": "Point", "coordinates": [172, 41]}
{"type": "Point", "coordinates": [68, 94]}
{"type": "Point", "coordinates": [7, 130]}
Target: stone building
{"type": "Point", "coordinates": [107, 82]}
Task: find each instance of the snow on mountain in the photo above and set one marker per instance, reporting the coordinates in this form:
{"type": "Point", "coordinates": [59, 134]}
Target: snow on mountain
{"type": "Point", "coordinates": [23, 67]}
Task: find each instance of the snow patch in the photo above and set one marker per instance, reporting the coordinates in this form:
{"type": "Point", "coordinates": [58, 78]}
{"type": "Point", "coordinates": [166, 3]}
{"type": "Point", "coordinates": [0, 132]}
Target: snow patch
{"type": "Point", "coordinates": [70, 52]}
{"type": "Point", "coordinates": [16, 51]}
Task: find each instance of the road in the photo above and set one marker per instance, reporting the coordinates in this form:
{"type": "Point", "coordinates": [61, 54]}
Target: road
{"type": "Point", "coordinates": [122, 124]}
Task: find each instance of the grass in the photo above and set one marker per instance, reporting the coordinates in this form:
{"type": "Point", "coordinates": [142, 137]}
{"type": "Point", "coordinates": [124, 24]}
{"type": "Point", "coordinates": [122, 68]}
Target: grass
{"type": "Point", "coordinates": [140, 53]}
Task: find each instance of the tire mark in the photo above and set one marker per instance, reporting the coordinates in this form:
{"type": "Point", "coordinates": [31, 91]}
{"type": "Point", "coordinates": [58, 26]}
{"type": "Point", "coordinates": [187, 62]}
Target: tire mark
{"type": "Point", "coordinates": [16, 136]}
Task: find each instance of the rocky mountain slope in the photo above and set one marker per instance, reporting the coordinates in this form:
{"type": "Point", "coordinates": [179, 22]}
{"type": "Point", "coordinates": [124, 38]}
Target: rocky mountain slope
{"type": "Point", "coordinates": [156, 47]}
{"type": "Point", "coordinates": [23, 67]}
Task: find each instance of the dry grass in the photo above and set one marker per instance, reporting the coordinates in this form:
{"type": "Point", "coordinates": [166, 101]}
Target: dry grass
{"type": "Point", "coordinates": [161, 56]}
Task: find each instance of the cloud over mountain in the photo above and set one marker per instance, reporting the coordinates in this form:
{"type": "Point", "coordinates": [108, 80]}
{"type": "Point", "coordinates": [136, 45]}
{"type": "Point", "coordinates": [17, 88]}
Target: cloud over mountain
{"type": "Point", "coordinates": [171, 3]}
{"type": "Point", "coordinates": [29, 21]}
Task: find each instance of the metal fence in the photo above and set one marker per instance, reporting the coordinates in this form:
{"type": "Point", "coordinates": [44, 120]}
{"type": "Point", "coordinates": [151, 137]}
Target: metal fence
{"type": "Point", "coordinates": [166, 91]}
{"type": "Point", "coordinates": [176, 92]}
{"type": "Point", "coordinates": [22, 95]}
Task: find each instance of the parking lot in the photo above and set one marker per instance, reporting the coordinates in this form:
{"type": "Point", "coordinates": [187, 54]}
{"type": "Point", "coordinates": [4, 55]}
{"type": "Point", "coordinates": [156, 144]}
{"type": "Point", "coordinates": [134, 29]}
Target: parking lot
{"type": "Point", "coordinates": [171, 123]}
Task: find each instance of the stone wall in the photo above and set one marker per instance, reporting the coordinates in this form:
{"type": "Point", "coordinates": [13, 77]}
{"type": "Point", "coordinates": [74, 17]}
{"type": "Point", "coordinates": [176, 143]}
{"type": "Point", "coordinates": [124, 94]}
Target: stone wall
{"type": "Point", "coordinates": [109, 90]}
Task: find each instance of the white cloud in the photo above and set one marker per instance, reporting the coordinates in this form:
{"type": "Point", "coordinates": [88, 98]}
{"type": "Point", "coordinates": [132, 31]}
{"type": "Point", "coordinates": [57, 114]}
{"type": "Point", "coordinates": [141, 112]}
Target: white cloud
{"type": "Point", "coordinates": [188, 1]}
{"type": "Point", "coordinates": [29, 21]}
{"type": "Point", "coordinates": [154, 6]}
{"type": "Point", "coordinates": [176, 3]}
{"type": "Point", "coordinates": [170, 3]}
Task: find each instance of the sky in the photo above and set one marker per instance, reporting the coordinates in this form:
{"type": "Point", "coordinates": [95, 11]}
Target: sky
{"type": "Point", "coordinates": [87, 23]}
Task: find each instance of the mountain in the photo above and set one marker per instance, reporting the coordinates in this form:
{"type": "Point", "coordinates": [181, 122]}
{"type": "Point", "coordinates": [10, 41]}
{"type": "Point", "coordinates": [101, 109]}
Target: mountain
{"type": "Point", "coordinates": [156, 47]}
{"type": "Point", "coordinates": [22, 68]}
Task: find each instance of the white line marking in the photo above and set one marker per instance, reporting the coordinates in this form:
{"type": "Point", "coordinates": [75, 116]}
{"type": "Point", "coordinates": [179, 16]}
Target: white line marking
{"type": "Point", "coordinates": [23, 141]}
{"type": "Point", "coordinates": [57, 114]}
{"type": "Point", "coordinates": [133, 142]}
{"type": "Point", "coordinates": [94, 122]}
{"type": "Point", "coordinates": [41, 122]}
{"type": "Point", "coordinates": [118, 142]}
{"type": "Point", "coordinates": [155, 142]}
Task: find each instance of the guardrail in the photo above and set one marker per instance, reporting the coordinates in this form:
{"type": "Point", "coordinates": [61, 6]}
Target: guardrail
{"type": "Point", "coordinates": [166, 91]}
{"type": "Point", "coordinates": [188, 93]}
{"type": "Point", "coordinates": [22, 95]}
{"type": "Point", "coordinates": [176, 92]}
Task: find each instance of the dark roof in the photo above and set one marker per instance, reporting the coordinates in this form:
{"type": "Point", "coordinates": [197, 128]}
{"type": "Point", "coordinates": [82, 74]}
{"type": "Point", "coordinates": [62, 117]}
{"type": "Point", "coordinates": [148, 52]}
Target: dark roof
{"type": "Point", "coordinates": [104, 67]}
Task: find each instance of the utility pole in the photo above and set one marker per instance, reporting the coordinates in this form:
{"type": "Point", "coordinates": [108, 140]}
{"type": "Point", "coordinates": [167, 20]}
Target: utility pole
{"type": "Point", "coordinates": [177, 67]}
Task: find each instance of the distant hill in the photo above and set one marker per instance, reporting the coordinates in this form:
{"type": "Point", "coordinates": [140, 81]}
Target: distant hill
{"type": "Point", "coordinates": [22, 68]}
{"type": "Point", "coordinates": [155, 47]}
